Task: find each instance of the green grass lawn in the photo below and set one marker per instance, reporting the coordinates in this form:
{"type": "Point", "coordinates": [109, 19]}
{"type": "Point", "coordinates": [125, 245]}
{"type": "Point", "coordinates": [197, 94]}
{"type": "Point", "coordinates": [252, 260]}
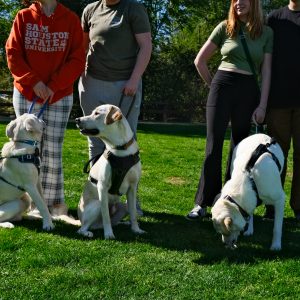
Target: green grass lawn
{"type": "Point", "coordinates": [176, 259]}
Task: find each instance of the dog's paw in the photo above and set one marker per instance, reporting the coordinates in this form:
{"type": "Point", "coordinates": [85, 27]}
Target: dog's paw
{"type": "Point", "coordinates": [275, 247]}
{"type": "Point", "coordinates": [248, 232]}
{"type": "Point", "coordinates": [85, 233]}
{"type": "Point", "coordinates": [48, 226]}
{"type": "Point", "coordinates": [109, 236]}
{"type": "Point", "coordinates": [7, 225]}
{"type": "Point", "coordinates": [138, 231]}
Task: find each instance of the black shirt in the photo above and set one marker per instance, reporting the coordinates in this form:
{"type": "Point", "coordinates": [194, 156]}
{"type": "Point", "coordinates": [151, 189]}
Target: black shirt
{"type": "Point", "coordinates": [285, 82]}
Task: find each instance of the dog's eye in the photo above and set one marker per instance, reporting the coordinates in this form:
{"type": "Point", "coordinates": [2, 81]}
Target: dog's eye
{"type": "Point", "coordinates": [97, 113]}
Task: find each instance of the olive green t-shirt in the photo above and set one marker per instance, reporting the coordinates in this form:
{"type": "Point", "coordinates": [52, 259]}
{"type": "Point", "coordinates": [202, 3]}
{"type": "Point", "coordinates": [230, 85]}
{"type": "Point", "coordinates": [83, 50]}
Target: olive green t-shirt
{"type": "Point", "coordinates": [232, 51]}
{"type": "Point", "coordinates": [113, 48]}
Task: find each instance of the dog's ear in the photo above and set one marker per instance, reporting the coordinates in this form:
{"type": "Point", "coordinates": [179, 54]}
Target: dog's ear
{"type": "Point", "coordinates": [113, 115]}
{"type": "Point", "coordinates": [10, 129]}
{"type": "Point", "coordinates": [228, 223]}
{"type": "Point", "coordinates": [34, 125]}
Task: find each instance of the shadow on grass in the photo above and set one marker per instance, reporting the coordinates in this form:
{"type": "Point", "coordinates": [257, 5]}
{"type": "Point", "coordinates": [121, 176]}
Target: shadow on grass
{"type": "Point", "coordinates": [175, 232]}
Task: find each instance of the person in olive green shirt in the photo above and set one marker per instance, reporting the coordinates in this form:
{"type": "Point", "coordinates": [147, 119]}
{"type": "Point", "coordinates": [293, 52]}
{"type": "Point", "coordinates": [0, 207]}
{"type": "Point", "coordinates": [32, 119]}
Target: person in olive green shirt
{"type": "Point", "coordinates": [234, 95]}
{"type": "Point", "coordinates": [118, 42]}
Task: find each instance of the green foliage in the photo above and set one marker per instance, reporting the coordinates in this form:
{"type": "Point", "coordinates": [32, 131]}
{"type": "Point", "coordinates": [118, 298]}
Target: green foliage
{"type": "Point", "coordinates": [176, 259]}
{"type": "Point", "coordinates": [173, 91]}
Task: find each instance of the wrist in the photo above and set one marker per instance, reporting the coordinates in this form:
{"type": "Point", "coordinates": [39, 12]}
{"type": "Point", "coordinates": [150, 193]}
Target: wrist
{"type": "Point", "coordinates": [262, 108]}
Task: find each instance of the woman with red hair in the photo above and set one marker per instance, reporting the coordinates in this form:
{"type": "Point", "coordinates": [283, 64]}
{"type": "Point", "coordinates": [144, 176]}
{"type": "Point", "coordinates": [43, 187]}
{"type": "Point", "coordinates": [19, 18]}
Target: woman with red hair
{"type": "Point", "coordinates": [234, 94]}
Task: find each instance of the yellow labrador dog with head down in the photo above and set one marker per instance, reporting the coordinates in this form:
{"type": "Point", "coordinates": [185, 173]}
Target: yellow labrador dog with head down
{"type": "Point", "coordinates": [255, 173]}
{"type": "Point", "coordinates": [103, 189]}
{"type": "Point", "coordinates": [19, 171]}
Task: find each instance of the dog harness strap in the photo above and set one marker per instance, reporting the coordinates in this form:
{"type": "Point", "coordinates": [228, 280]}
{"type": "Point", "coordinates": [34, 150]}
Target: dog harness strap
{"type": "Point", "coordinates": [260, 150]}
{"type": "Point", "coordinates": [258, 200]}
{"type": "Point", "coordinates": [16, 186]}
{"type": "Point", "coordinates": [120, 166]}
{"type": "Point", "coordinates": [30, 158]}
{"type": "Point", "coordinates": [241, 210]}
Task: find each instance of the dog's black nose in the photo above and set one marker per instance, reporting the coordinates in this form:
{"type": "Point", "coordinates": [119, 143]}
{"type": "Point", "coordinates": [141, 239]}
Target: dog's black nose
{"type": "Point", "coordinates": [77, 120]}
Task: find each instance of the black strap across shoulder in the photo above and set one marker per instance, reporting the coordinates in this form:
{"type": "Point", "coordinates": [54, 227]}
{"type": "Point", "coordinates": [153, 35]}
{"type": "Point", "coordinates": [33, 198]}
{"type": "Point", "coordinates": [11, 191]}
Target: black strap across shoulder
{"type": "Point", "coordinates": [248, 56]}
{"type": "Point", "coordinates": [260, 150]}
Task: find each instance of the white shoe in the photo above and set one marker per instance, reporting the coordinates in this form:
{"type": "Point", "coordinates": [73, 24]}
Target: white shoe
{"type": "Point", "coordinates": [196, 212]}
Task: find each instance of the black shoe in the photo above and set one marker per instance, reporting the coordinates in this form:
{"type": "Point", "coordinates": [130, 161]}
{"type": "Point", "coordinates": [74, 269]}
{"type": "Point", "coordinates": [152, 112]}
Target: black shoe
{"type": "Point", "coordinates": [297, 215]}
{"type": "Point", "coordinates": [269, 213]}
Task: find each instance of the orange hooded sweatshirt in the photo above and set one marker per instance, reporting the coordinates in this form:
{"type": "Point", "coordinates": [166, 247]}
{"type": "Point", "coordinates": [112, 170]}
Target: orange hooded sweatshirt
{"type": "Point", "coordinates": [48, 49]}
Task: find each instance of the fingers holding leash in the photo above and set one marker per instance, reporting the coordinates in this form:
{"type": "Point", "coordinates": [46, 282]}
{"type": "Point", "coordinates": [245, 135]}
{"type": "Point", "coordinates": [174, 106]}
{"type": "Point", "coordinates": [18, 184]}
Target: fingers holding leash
{"type": "Point", "coordinates": [43, 92]}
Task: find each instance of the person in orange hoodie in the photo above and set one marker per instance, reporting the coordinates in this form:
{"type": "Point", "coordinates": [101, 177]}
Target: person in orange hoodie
{"type": "Point", "coordinates": [45, 55]}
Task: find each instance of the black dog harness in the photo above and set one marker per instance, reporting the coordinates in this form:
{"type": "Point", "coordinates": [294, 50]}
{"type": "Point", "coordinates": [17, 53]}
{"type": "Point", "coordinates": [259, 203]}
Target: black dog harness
{"type": "Point", "coordinates": [25, 158]}
{"type": "Point", "coordinates": [119, 166]}
{"type": "Point", "coordinates": [259, 151]}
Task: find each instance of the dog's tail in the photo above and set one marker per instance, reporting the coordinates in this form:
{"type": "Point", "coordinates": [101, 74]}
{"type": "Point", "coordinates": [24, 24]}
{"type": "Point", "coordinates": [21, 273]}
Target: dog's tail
{"type": "Point", "coordinates": [63, 218]}
{"type": "Point", "coordinates": [67, 219]}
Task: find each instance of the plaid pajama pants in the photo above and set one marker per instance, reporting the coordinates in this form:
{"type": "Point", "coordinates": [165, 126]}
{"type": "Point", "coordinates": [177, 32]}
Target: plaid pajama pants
{"type": "Point", "coordinates": [56, 118]}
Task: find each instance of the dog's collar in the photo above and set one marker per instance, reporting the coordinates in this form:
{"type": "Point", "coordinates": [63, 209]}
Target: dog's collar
{"type": "Point", "coordinates": [28, 142]}
{"type": "Point", "coordinates": [125, 146]}
{"type": "Point", "coordinates": [245, 215]}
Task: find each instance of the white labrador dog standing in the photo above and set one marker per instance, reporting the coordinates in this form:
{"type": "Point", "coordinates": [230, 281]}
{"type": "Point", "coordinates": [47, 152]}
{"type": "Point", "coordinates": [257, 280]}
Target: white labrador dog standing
{"type": "Point", "coordinates": [238, 198]}
{"type": "Point", "coordinates": [107, 123]}
{"type": "Point", "coordinates": [19, 176]}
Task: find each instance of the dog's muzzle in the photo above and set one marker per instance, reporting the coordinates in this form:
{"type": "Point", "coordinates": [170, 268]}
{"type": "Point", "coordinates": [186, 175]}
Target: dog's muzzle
{"type": "Point", "coordinates": [86, 131]}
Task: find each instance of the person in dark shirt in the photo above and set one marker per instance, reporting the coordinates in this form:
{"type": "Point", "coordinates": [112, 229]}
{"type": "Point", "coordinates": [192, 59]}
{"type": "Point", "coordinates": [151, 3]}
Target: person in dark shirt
{"type": "Point", "coordinates": [283, 115]}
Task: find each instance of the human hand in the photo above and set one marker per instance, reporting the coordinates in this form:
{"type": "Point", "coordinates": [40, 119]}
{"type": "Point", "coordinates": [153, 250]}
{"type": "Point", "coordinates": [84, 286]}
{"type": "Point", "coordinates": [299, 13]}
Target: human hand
{"type": "Point", "coordinates": [130, 87]}
{"type": "Point", "coordinates": [258, 115]}
{"type": "Point", "coordinates": [43, 92]}
{"type": "Point", "coordinates": [51, 94]}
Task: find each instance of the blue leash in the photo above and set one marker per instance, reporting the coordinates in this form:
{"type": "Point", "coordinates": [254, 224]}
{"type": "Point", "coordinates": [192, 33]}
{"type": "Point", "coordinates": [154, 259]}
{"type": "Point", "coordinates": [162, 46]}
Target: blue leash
{"type": "Point", "coordinates": [42, 109]}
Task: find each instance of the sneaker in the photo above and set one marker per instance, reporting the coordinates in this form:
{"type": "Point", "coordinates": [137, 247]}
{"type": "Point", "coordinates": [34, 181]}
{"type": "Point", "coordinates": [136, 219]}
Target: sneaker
{"type": "Point", "coordinates": [196, 212]}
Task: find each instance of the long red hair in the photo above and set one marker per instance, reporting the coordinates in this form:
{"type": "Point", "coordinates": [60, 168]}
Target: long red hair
{"type": "Point", "coordinates": [254, 23]}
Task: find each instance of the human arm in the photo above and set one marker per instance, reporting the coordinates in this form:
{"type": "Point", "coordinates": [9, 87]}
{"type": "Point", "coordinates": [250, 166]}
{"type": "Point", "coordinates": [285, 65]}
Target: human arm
{"type": "Point", "coordinates": [202, 58]}
{"type": "Point", "coordinates": [260, 112]}
{"type": "Point", "coordinates": [145, 44]}
{"type": "Point", "coordinates": [16, 57]}
{"type": "Point", "coordinates": [86, 41]}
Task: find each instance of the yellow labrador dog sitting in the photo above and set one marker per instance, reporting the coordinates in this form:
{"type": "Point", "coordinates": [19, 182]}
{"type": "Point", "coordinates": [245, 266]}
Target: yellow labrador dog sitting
{"type": "Point", "coordinates": [19, 171]}
{"type": "Point", "coordinates": [255, 173]}
{"type": "Point", "coordinates": [102, 191]}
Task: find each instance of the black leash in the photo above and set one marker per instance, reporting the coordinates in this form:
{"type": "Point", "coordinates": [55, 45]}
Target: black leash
{"type": "Point", "coordinates": [131, 104]}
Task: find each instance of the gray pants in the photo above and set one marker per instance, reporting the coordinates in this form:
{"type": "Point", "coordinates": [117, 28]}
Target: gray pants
{"type": "Point", "coordinates": [94, 92]}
